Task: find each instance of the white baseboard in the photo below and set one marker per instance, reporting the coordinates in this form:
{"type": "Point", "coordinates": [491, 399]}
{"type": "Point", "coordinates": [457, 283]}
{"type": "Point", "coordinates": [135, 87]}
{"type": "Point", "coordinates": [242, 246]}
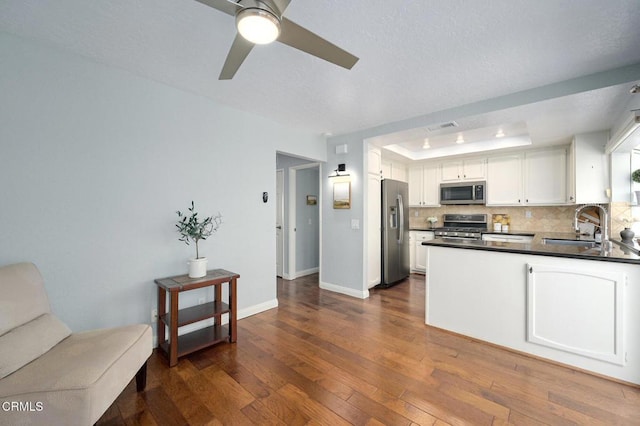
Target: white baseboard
{"type": "Point", "coordinates": [344, 290]}
{"type": "Point", "coordinates": [304, 273]}
{"type": "Point", "coordinates": [242, 313]}
{"type": "Point", "coordinates": [256, 309]}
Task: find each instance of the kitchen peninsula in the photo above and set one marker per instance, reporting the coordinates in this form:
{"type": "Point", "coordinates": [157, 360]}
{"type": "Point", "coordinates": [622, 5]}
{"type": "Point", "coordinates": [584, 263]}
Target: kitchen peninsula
{"type": "Point", "coordinates": [571, 304]}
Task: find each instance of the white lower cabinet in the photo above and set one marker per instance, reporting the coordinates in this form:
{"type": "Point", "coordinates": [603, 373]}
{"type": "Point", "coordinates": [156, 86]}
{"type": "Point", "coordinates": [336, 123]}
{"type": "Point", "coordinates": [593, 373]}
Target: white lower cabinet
{"type": "Point", "coordinates": [418, 252]}
{"type": "Point", "coordinates": [576, 311]}
{"type": "Point", "coordinates": [412, 251]}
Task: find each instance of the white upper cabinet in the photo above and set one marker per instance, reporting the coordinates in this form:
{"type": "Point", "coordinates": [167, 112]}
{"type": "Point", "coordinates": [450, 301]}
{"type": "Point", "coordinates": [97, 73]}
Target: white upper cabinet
{"type": "Point", "coordinates": [394, 170]}
{"type": "Point", "coordinates": [415, 186]}
{"type": "Point", "coordinates": [588, 169]}
{"type": "Point", "coordinates": [399, 172]}
{"type": "Point", "coordinates": [536, 177]}
{"type": "Point", "coordinates": [386, 170]}
{"type": "Point", "coordinates": [545, 176]}
{"type": "Point", "coordinates": [504, 180]}
{"type": "Point", "coordinates": [471, 169]}
{"type": "Point", "coordinates": [430, 185]}
{"type": "Point", "coordinates": [423, 186]}
{"type": "Point", "coordinates": [374, 161]}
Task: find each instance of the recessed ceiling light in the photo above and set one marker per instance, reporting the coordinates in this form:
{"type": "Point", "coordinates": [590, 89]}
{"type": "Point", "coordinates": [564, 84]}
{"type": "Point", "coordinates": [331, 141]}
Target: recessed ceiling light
{"type": "Point", "coordinates": [460, 139]}
{"type": "Point", "coordinates": [500, 134]}
{"type": "Point", "coordinates": [426, 145]}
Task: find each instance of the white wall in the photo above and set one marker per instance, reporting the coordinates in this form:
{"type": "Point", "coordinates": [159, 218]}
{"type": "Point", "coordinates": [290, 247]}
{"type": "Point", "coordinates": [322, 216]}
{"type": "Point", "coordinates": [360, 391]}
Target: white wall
{"type": "Point", "coordinates": [342, 246]}
{"type": "Point", "coordinates": [95, 161]}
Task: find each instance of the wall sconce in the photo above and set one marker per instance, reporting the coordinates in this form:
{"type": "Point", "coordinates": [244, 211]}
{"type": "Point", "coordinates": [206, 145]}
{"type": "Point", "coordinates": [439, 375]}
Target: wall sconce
{"type": "Point", "coordinates": [341, 168]}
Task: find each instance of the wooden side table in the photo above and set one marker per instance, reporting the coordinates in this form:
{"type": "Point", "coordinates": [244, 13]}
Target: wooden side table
{"type": "Point", "coordinates": [185, 344]}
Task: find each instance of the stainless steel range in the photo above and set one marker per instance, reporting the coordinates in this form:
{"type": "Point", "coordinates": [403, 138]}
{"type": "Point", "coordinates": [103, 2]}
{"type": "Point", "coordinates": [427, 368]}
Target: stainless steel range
{"type": "Point", "coordinates": [462, 226]}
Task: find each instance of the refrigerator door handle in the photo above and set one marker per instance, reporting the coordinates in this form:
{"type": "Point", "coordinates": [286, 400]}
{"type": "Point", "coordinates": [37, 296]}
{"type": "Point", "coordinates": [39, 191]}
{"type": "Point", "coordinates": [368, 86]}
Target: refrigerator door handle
{"type": "Point", "coordinates": [401, 227]}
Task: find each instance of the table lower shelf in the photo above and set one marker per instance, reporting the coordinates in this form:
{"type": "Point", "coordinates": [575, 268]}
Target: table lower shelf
{"type": "Point", "coordinates": [199, 339]}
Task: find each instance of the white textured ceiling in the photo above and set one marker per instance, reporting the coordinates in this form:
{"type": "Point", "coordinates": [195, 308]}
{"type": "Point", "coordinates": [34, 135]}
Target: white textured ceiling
{"type": "Point", "coordinates": [416, 57]}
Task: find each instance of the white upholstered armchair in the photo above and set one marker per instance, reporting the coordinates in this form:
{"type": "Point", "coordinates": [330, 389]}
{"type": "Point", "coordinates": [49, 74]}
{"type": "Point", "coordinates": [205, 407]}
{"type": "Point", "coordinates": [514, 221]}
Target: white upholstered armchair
{"type": "Point", "coordinates": [49, 375]}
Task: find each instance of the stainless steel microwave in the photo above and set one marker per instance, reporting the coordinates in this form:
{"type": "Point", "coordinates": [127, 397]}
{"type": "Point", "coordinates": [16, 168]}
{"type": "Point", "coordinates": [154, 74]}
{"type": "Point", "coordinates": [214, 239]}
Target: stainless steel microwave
{"type": "Point", "coordinates": [463, 192]}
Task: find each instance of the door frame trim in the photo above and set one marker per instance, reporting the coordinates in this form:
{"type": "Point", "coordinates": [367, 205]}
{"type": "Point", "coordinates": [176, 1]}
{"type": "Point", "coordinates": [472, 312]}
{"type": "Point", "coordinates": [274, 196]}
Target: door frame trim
{"type": "Point", "coordinates": [283, 230]}
{"type": "Point", "coordinates": [291, 228]}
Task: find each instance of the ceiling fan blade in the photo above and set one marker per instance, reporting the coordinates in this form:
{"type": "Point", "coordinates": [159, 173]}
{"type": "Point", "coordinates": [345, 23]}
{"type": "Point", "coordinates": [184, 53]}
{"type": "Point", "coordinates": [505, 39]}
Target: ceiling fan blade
{"type": "Point", "coordinates": [281, 5]}
{"type": "Point", "coordinates": [300, 38]}
{"type": "Point", "coordinates": [237, 54]}
{"type": "Point", "coordinates": [227, 6]}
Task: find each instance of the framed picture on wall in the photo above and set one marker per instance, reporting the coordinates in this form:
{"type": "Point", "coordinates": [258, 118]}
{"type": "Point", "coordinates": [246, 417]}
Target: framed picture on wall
{"type": "Point", "coordinates": [312, 200]}
{"type": "Point", "coordinates": [342, 195]}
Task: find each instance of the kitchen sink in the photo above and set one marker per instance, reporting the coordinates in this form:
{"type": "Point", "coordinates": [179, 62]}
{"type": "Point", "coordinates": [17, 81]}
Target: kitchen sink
{"type": "Point", "coordinates": [563, 242]}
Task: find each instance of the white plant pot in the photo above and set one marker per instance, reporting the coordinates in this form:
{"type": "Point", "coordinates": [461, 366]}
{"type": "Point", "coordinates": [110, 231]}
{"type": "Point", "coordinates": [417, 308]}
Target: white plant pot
{"type": "Point", "coordinates": [637, 197]}
{"type": "Point", "coordinates": [198, 267]}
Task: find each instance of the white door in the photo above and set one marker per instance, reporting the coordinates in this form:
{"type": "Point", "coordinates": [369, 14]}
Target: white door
{"type": "Point", "coordinates": [279, 221]}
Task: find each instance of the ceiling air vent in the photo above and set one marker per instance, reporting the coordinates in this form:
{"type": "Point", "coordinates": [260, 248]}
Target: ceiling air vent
{"type": "Point", "coordinates": [441, 126]}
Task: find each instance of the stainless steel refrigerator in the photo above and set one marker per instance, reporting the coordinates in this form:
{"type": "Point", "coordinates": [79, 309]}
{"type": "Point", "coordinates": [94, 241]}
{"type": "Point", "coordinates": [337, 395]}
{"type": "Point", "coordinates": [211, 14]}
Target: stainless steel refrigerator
{"type": "Point", "coordinates": [395, 232]}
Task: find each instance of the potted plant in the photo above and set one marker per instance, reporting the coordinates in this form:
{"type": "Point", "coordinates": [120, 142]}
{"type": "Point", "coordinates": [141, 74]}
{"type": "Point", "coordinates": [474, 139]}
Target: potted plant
{"type": "Point", "coordinates": [635, 176]}
{"type": "Point", "coordinates": [432, 220]}
{"type": "Point", "coordinates": [191, 228]}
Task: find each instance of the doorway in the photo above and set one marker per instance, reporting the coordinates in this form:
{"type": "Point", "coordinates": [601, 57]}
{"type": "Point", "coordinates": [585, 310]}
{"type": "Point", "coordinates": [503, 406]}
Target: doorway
{"type": "Point", "coordinates": [304, 220]}
{"type": "Point", "coordinates": [298, 212]}
{"type": "Point", "coordinates": [279, 222]}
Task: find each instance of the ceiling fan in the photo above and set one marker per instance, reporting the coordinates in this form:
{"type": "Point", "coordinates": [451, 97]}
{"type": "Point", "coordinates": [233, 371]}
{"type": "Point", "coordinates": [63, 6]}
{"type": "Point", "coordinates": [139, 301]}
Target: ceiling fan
{"type": "Point", "coordinates": [261, 22]}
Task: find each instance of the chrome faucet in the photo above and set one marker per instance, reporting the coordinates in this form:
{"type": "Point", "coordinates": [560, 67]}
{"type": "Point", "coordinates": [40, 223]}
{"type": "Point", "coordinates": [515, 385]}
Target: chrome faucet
{"type": "Point", "coordinates": [604, 224]}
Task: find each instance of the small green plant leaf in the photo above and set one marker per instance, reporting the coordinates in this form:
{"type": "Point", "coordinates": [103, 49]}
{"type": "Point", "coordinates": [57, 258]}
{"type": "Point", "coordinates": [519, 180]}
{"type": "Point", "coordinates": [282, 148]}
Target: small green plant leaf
{"type": "Point", "coordinates": [192, 229]}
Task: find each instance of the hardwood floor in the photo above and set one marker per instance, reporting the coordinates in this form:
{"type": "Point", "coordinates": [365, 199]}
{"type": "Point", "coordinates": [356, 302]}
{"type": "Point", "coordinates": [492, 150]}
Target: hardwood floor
{"type": "Point", "coordinates": [325, 358]}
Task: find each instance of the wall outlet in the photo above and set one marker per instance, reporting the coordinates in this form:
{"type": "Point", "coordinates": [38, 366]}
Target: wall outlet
{"type": "Point", "coordinates": [154, 315]}
{"type": "Point", "coordinates": [527, 214]}
{"type": "Point", "coordinates": [201, 301]}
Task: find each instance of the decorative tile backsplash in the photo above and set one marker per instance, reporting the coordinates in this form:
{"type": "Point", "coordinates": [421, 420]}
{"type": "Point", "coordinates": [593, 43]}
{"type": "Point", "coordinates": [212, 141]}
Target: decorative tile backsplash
{"type": "Point", "coordinates": [555, 219]}
{"type": "Point", "coordinates": [620, 212]}
{"type": "Point", "coordinates": [548, 218]}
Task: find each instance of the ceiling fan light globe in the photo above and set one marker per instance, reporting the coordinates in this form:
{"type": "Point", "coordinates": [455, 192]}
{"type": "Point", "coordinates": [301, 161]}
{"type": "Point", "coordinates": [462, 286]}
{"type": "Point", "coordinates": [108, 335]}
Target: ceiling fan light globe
{"type": "Point", "coordinates": [258, 26]}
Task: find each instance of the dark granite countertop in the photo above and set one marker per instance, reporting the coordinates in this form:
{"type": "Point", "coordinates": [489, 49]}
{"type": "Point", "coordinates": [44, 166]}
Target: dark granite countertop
{"type": "Point", "coordinates": [620, 252]}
